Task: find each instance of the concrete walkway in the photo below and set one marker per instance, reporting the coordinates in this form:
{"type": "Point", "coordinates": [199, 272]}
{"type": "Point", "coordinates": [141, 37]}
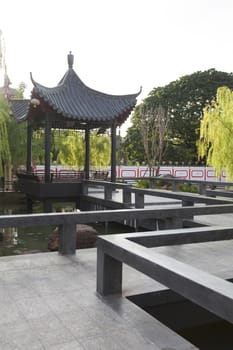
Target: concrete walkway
{"type": "Point", "coordinates": [48, 301]}
{"type": "Point", "coordinates": [149, 200]}
{"type": "Point", "coordinates": [216, 220]}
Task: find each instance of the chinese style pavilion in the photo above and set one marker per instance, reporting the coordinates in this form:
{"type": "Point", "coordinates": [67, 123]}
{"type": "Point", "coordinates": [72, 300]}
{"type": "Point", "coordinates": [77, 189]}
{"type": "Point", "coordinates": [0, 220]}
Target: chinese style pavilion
{"type": "Point", "coordinates": [72, 105]}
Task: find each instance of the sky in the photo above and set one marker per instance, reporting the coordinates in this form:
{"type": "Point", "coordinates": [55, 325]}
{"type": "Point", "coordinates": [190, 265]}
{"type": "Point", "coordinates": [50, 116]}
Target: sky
{"type": "Point", "coordinates": [118, 45]}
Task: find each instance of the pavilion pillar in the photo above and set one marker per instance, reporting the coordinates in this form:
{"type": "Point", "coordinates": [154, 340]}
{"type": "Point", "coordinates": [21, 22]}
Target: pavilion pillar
{"type": "Point", "coordinates": [29, 148]}
{"type": "Point", "coordinates": [47, 148]}
{"type": "Point", "coordinates": [87, 154]}
{"type": "Point", "coordinates": [113, 152]}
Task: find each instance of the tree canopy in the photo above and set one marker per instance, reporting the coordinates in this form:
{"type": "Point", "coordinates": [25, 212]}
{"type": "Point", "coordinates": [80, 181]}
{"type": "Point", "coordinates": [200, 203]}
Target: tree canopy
{"type": "Point", "coordinates": [184, 100]}
{"type": "Point", "coordinates": [216, 133]}
{"type": "Point", "coordinates": [12, 135]}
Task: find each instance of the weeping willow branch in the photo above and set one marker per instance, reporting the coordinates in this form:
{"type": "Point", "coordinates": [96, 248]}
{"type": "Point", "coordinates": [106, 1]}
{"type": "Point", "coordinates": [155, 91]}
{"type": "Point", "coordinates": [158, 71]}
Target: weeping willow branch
{"type": "Point", "coordinates": [5, 156]}
{"type": "Point", "coordinates": [216, 133]}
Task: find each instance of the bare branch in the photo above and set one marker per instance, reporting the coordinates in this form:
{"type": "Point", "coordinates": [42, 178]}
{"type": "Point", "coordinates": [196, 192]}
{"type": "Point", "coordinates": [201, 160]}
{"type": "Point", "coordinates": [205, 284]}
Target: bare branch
{"type": "Point", "coordinates": [154, 124]}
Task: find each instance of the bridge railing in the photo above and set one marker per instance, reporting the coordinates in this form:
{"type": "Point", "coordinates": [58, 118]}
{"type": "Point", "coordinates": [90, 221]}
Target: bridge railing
{"type": "Point", "coordinates": [67, 221]}
{"type": "Point", "coordinates": [199, 286]}
{"type": "Point", "coordinates": [175, 182]}
{"type": "Point", "coordinates": [186, 198]}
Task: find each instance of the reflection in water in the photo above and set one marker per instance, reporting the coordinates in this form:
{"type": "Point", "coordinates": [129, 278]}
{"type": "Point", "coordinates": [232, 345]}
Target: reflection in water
{"type": "Point", "coordinates": [22, 240]}
{"type": "Point", "coordinates": [28, 240]}
{"type": "Point", "coordinates": [10, 235]}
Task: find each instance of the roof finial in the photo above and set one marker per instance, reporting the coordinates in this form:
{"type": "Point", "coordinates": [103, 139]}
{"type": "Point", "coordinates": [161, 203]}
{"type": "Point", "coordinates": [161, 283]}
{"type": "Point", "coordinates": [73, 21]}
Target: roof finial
{"type": "Point", "coordinates": [70, 58]}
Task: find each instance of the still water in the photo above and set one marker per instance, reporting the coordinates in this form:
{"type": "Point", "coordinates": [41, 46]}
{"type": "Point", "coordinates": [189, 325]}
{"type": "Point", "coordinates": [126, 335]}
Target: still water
{"type": "Point", "coordinates": [28, 240]}
{"type": "Point", "coordinates": [14, 240]}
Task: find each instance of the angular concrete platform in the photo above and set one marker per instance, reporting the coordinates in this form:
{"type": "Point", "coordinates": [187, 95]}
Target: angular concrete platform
{"type": "Point", "coordinates": [48, 301]}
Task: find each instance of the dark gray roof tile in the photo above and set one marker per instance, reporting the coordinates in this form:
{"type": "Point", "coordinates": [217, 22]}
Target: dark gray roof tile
{"type": "Point", "coordinates": [19, 109]}
{"type": "Point", "coordinates": [73, 99]}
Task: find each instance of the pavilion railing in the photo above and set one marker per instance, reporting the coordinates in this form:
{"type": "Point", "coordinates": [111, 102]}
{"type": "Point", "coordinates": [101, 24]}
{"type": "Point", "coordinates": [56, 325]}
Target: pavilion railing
{"type": "Point", "coordinates": [63, 174]}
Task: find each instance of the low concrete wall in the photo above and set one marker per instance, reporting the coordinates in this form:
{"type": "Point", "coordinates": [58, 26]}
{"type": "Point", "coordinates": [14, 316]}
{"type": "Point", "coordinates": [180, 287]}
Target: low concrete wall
{"type": "Point", "coordinates": [12, 197]}
{"type": "Point", "coordinates": [42, 190]}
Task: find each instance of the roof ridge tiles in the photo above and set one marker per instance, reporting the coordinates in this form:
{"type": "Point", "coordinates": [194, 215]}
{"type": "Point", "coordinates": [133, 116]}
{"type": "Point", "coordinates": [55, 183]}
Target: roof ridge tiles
{"type": "Point", "coordinates": [71, 98]}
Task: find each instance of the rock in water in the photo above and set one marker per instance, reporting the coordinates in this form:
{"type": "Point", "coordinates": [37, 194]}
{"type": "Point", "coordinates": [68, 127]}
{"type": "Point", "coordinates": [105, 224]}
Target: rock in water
{"type": "Point", "coordinates": [86, 237]}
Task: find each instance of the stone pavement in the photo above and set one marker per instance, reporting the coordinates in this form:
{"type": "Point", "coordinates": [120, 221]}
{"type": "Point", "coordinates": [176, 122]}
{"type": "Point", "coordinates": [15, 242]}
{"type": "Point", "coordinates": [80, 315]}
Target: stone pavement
{"type": "Point", "coordinates": [151, 201]}
{"type": "Point", "coordinates": [48, 301]}
{"type": "Point", "coordinates": [216, 220]}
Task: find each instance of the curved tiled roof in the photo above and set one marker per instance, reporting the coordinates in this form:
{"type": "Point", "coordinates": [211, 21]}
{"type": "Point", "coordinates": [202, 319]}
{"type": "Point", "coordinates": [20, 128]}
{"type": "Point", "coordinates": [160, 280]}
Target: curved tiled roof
{"type": "Point", "coordinates": [19, 109]}
{"type": "Point", "coordinates": [72, 99]}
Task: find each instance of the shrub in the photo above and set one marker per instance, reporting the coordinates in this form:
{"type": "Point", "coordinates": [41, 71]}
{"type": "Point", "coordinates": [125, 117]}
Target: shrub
{"type": "Point", "coordinates": [142, 184]}
{"type": "Point", "coordinates": [188, 188]}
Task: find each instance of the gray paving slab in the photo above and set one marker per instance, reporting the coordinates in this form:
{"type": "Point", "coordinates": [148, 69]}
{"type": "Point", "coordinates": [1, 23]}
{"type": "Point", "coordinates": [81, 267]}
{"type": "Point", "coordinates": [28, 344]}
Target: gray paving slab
{"type": "Point", "coordinates": [49, 301]}
{"type": "Point", "coordinates": [55, 306]}
{"type": "Point", "coordinates": [217, 219]}
{"type": "Point", "coordinates": [213, 257]}
{"type": "Point", "coordinates": [149, 200]}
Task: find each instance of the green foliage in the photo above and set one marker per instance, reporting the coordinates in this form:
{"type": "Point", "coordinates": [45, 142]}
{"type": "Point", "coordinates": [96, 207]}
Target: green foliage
{"type": "Point", "coordinates": [165, 183]}
{"type": "Point", "coordinates": [142, 184]}
{"type": "Point", "coordinates": [67, 146]}
{"type": "Point", "coordinates": [38, 147]}
{"type": "Point", "coordinates": [216, 132]}
{"type": "Point", "coordinates": [12, 134]}
{"type": "Point", "coordinates": [185, 100]}
{"type": "Point", "coordinates": [17, 137]}
{"type": "Point", "coordinates": [71, 148]}
{"type": "Point", "coordinates": [188, 188]}
{"type": "Point", "coordinates": [100, 150]}
{"type": "Point", "coordinates": [5, 155]}
{"type": "Point", "coordinates": [132, 146]}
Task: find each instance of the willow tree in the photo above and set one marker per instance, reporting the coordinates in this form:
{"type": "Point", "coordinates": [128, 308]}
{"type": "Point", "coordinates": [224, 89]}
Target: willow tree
{"type": "Point", "coordinates": [5, 155]}
{"type": "Point", "coordinates": [71, 148]}
{"type": "Point", "coordinates": [216, 133]}
{"type": "Point", "coordinates": [100, 150]}
{"type": "Point", "coordinates": [185, 99]}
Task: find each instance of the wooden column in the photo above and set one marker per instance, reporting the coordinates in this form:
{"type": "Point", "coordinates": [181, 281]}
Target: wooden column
{"type": "Point", "coordinates": [29, 147]}
{"type": "Point", "coordinates": [47, 148]}
{"type": "Point", "coordinates": [113, 152]}
{"type": "Point", "coordinates": [87, 154]}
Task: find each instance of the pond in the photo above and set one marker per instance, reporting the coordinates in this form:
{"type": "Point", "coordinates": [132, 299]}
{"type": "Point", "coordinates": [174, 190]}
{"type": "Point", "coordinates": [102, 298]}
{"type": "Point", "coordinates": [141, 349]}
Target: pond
{"type": "Point", "coordinates": [21, 240]}
{"type": "Point", "coordinates": [28, 240]}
